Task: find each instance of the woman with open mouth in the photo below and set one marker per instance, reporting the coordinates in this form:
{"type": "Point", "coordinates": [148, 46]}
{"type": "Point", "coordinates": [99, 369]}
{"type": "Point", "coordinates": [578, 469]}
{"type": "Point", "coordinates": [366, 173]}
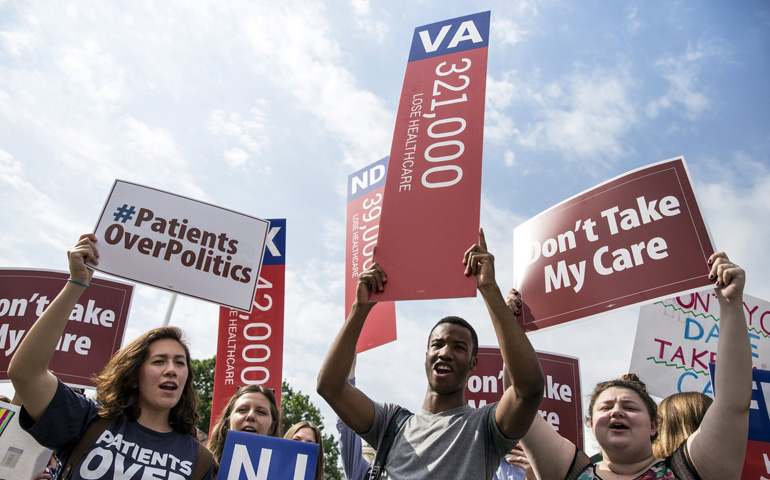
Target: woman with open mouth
{"type": "Point", "coordinates": [143, 423]}
{"type": "Point", "coordinates": [252, 409]}
{"type": "Point", "coordinates": [624, 420]}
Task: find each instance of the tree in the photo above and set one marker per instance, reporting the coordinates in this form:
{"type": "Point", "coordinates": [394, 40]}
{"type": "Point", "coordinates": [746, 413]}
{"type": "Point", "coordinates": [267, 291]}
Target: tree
{"type": "Point", "coordinates": [296, 407]}
{"type": "Point", "coordinates": [203, 382]}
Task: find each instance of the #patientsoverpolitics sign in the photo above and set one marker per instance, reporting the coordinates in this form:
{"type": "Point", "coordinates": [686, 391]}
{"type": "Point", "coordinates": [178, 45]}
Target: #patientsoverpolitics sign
{"type": "Point", "coordinates": [181, 245]}
{"type": "Point", "coordinates": [630, 240]}
{"type": "Point", "coordinates": [365, 192]}
{"type": "Point", "coordinates": [561, 406]}
{"type": "Point", "coordinates": [676, 340]}
{"type": "Point", "coordinates": [250, 345]}
{"type": "Point", "coordinates": [93, 333]}
{"type": "Point", "coordinates": [247, 456]}
{"type": "Point", "coordinates": [432, 199]}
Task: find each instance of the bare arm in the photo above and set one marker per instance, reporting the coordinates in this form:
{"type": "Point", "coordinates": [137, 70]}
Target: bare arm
{"type": "Point", "coordinates": [28, 369]}
{"type": "Point", "coordinates": [350, 403]}
{"type": "Point", "coordinates": [718, 447]}
{"type": "Point", "coordinates": [519, 403]}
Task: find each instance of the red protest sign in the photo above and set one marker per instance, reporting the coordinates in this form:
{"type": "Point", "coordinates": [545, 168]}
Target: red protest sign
{"type": "Point", "coordinates": [561, 406]}
{"type": "Point", "coordinates": [94, 332]}
{"type": "Point", "coordinates": [630, 240]}
{"type": "Point", "coordinates": [433, 189]}
{"type": "Point", "coordinates": [365, 191]}
{"type": "Point", "coordinates": [250, 345]}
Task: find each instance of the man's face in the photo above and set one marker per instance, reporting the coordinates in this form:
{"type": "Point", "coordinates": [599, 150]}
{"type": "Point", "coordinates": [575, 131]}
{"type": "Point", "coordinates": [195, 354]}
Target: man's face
{"type": "Point", "coordinates": [449, 360]}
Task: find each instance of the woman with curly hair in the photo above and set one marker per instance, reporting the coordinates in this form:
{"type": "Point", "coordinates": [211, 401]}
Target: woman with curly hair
{"type": "Point", "coordinates": [624, 420]}
{"type": "Point", "coordinates": [145, 392]}
{"type": "Point", "coordinates": [252, 409]}
{"type": "Point", "coordinates": [305, 431]}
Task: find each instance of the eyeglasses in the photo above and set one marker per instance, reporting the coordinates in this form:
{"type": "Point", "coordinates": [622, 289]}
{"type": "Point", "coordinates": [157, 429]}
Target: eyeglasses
{"type": "Point", "coordinates": [271, 390]}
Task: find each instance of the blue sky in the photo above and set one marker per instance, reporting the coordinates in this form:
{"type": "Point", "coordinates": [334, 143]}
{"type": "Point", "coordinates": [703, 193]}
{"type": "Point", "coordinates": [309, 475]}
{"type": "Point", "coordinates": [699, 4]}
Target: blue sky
{"type": "Point", "coordinates": [266, 107]}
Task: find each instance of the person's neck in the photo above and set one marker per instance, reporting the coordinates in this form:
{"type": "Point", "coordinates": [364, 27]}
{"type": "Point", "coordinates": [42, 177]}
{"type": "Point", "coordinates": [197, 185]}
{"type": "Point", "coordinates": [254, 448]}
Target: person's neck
{"type": "Point", "coordinates": [153, 420]}
{"type": "Point", "coordinates": [437, 402]}
{"type": "Point", "coordinates": [630, 468]}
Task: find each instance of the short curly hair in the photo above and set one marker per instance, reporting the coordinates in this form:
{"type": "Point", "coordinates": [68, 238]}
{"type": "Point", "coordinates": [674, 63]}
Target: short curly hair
{"type": "Point", "coordinates": [631, 382]}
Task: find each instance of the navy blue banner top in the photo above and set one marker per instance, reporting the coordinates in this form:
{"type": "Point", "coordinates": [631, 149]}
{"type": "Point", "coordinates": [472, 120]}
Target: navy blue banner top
{"type": "Point", "coordinates": [450, 36]}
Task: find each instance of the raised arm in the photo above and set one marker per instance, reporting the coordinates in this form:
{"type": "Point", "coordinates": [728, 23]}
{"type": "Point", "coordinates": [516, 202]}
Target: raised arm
{"type": "Point", "coordinates": [351, 404]}
{"type": "Point", "coordinates": [519, 403]}
{"type": "Point", "coordinates": [28, 369]}
{"type": "Point", "coordinates": [718, 447]}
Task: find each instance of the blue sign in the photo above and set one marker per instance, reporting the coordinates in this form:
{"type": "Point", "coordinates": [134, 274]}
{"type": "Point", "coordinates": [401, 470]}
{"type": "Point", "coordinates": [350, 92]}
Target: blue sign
{"type": "Point", "coordinates": [450, 36]}
{"type": "Point", "coordinates": [759, 409]}
{"type": "Point", "coordinates": [275, 244]}
{"type": "Point", "coordinates": [248, 456]}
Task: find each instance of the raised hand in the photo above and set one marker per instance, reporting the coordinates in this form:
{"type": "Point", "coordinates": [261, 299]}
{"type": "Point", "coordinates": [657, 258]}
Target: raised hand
{"type": "Point", "coordinates": [478, 261]}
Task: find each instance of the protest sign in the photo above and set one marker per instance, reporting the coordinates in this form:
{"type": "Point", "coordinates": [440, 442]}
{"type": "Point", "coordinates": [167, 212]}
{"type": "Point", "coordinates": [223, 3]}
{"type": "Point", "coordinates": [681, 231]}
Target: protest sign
{"type": "Point", "coordinates": [757, 463]}
{"type": "Point", "coordinates": [365, 191]}
{"type": "Point", "coordinates": [93, 333]}
{"type": "Point", "coordinates": [20, 454]}
{"type": "Point", "coordinates": [250, 345]}
{"type": "Point", "coordinates": [561, 406]}
{"type": "Point", "coordinates": [248, 456]}
{"type": "Point", "coordinates": [677, 338]}
{"type": "Point", "coordinates": [181, 245]}
{"type": "Point", "coordinates": [630, 240]}
{"type": "Point", "coordinates": [433, 191]}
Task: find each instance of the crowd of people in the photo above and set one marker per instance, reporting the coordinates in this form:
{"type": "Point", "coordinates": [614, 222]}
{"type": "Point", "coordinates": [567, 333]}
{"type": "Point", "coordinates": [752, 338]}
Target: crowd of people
{"type": "Point", "coordinates": [142, 421]}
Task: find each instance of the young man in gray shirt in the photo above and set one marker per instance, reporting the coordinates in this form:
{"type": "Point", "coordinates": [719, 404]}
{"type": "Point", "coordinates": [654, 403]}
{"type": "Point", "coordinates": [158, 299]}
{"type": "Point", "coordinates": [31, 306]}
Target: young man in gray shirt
{"type": "Point", "coordinates": [446, 438]}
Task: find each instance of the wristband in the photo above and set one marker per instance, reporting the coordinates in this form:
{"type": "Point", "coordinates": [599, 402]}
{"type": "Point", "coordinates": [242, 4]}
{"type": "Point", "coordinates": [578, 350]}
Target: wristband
{"type": "Point", "coordinates": [75, 281]}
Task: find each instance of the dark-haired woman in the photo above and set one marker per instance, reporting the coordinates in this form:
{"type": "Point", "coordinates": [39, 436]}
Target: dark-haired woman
{"type": "Point", "coordinates": [623, 417]}
{"type": "Point", "coordinates": [145, 391]}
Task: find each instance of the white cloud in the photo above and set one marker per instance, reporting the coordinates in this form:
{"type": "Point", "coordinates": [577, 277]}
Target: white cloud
{"type": "Point", "coordinates": [584, 115]}
{"type": "Point", "coordinates": [633, 23]}
{"type": "Point", "coordinates": [508, 32]}
{"type": "Point", "coordinates": [685, 90]}
{"type": "Point", "coordinates": [89, 68]}
{"type": "Point", "coordinates": [249, 134]}
{"type": "Point", "coordinates": [366, 22]}
{"type": "Point", "coordinates": [308, 63]}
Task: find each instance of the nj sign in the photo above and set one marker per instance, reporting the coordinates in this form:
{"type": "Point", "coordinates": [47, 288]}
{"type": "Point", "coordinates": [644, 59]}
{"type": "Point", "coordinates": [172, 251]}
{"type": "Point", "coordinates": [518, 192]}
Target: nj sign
{"type": "Point", "coordinates": [258, 457]}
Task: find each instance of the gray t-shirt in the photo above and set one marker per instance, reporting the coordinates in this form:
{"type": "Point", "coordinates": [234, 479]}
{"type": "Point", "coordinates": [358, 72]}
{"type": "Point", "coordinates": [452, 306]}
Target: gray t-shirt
{"type": "Point", "coordinates": [463, 443]}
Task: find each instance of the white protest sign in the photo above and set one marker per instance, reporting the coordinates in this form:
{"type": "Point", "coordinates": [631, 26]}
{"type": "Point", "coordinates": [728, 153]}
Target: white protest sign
{"type": "Point", "coordinates": [20, 454]}
{"type": "Point", "coordinates": [677, 338]}
{"type": "Point", "coordinates": [180, 244]}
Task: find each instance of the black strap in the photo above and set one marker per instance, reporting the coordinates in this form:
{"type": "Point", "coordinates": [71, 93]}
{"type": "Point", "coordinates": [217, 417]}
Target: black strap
{"type": "Point", "coordinates": [395, 424]}
{"type": "Point", "coordinates": [202, 463]}
{"type": "Point", "coordinates": [88, 438]}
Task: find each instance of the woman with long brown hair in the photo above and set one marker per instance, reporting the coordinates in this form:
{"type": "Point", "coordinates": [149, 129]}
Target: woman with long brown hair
{"type": "Point", "coordinates": [145, 392]}
{"type": "Point", "coordinates": [252, 409]}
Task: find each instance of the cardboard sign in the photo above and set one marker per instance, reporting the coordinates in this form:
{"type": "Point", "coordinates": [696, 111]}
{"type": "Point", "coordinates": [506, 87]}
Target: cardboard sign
{"type": "Point", "coordinates": [20, 454]}
{"type": "Point", "coordinates": [677, 338]}
{"type": "Point", "coordinates": [250, 345]}
{"type": "Point", "coordinates": [93, 333]}
{"type": "Point", "coordinates": [181, 245]}
{"type": "Point", "coordinates": [630, 240]}
{"type": "Point", "coordinates": [433, 190]}
{"type": "Point", "coordinates": [365, 190]}
{"type": "Point", "coordinates": [561, 406]}
{"type": "Point", "coordinates": [247, 456]}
